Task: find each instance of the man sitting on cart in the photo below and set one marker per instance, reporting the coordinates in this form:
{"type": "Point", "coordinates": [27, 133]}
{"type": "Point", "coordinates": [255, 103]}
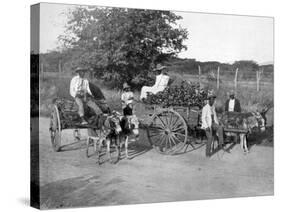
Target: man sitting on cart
{"type": "Point", "coordinates": [80, 91]}
{"type": "Point", "coordinates": [210, 124]}
{"type": "Point", "coordinates": [161, 82]}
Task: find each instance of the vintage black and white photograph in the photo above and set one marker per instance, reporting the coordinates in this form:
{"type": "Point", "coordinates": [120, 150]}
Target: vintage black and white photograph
{"type": "Point", "coordinates": [132, 106]}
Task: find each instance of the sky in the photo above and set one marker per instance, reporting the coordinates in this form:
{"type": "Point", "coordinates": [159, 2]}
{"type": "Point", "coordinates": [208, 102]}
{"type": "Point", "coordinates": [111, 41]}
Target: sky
{"type": "Point", "coordinates": [212, 37]}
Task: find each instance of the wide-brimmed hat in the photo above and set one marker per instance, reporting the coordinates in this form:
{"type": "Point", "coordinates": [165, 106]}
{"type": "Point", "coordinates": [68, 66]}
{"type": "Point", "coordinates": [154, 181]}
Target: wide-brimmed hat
{"type": "Point", "coordinates": [159, 67]}
{"type": "Point", "coordinates": [126, 85]}
{"type": "Point", "coordinates": [211, 95]}
{"type": "Point", "coordinates": [80, 69]}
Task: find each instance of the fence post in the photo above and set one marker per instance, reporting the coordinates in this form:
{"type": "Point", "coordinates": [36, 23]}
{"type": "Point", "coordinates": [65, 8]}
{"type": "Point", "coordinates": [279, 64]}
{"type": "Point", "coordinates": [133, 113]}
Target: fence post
{"type": "Point", "coordinates": [258, 80]}
{"type": "Point", "coordinates": [235, 79]}
{"type": "Point", "coordinates": [60, 69]}
{"type": "Point", "coordinates": [60, 66]}
{"type": "Point", "coordinates": [199, 76]}
{"type": "Point", "coordinates": [218, 78]}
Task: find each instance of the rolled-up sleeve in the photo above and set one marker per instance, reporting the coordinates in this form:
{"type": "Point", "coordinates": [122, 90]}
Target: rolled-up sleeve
{"type": "Point", "coordinates": [204, 118]}
{"type": "Point", "coordinates": [88, 87]}
{"type": "Point", "coordinates": [72, 88]}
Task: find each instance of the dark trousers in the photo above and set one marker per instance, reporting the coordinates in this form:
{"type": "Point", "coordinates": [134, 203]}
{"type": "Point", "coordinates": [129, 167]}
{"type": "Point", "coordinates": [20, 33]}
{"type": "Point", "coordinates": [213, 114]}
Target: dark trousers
{"type": "Point", "coordinates": [80, 102]}
{"type": "Point", "coordinates": [103, 105]}
{"type": "Point", "coordinates": [128, 111]}
{"type": "Point", "coordinates": [216, 129]}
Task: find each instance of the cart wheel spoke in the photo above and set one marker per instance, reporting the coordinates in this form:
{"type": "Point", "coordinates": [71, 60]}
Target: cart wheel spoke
{"type": "Point", "coordinates": [162, 122]}
{"type": "Point", "coordinates": [172, 140]}
{"type": "Point", "coordinates": [178, 129]}
{"type": "Point", "coordinates": [174, 121]}
{"type": "Point", "coordinates": [176, 138]}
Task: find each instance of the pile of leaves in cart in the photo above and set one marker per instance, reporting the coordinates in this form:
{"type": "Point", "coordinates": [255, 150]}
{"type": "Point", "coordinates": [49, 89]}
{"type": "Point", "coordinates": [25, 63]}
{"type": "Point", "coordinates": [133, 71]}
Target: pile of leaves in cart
{"type": "Point", "coordinates": [187, 94]}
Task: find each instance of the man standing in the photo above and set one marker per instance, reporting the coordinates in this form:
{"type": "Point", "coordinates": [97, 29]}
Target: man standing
{"type": "Point", "coordinates": [232, 104]}
{"type": "Point", "coordinates": [80, 91]}
{"type": "Point", "coordinates": [210, 124]}
{"type": "Point", "coordinates": [161, 82]}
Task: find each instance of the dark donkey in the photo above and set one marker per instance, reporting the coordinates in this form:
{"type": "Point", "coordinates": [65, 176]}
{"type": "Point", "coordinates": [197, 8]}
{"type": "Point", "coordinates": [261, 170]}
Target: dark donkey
{"type": "Point", "coordinates": [130, 126]}
{"type": "Point", "coordinates": [107, 133]}
{"type": "Point", "coordinates": [246, 123]}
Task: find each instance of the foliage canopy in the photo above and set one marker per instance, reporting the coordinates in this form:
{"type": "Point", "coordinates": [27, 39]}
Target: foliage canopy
{"type": "Point", "coordinates": [120, 44]}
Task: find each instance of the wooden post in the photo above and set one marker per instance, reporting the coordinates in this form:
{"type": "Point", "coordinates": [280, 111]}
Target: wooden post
{"type": "Point", "coordinates": [235, 79]}
{"type": "Point", "coordinates": [258, 80]}
{"type": "Point", "coordinates": [60, 66]}
{"type": "Point", "coordinates": [60, 69]}
{"type": "Point", "coordinates": [199, 76]}
{"type": "Point", "coordinates": [218, 78]}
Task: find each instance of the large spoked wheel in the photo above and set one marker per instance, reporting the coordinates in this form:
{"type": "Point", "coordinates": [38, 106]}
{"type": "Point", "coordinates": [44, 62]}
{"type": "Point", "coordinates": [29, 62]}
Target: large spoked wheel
{"type": "Point", "coordinates": [167, 132]}
{"type": "Point", "coordinates": [55, 129]}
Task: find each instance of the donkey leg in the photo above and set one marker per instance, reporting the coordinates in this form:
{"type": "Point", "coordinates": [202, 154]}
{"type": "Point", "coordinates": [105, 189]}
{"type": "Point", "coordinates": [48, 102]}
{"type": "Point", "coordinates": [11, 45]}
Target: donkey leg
{"type": "Point", "coordinates": [108, 142]}
{"type": "Point", "coordinates": [99, 150]}
{"type": "Point", "coordinates": [126, 147]}
{"type": "Point", "coordinates": [95, 145]}
{"type": "Point", "coordinates": [87, 146]}
{"type": "Point", "coordinates": [241, 141]}
{"type": "Point", "coordinates": [245, 144]}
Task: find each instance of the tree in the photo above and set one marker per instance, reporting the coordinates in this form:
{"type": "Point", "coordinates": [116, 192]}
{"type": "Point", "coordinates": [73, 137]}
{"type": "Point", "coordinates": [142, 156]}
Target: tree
{"type": "Point", "coordinates": [246, 65]}
{"type": "Point", "coordinates": [121, 44]}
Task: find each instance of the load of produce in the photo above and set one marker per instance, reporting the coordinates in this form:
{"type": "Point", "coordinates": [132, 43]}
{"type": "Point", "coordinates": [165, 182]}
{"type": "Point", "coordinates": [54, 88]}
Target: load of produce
{"type": "Point", "coordinates": [187, 94]}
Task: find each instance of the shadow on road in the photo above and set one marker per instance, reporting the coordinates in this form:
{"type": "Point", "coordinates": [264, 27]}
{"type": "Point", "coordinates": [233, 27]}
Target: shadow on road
{"type": "Point", "coordinates": [261, 138]}
{"type": "Point", "coordinates": [80, 144]}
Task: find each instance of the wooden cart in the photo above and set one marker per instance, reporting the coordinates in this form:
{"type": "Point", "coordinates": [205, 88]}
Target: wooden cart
{"type": "Point", "coordinates": [64, 115]}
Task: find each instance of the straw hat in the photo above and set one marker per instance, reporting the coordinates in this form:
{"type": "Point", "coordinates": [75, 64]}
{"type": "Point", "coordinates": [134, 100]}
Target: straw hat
{"type": "Point", "coordinates": [125, 85]}
{"type": "Point", "coordinates": [159, 67]}
{"type": "Point", "coordinates": [80, 69]}
{"type": "Point", "coordinates": [211, 94]}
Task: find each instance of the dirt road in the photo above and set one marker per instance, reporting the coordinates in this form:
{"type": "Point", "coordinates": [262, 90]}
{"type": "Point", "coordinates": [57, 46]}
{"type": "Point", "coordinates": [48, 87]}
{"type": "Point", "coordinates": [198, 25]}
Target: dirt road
{"type": "Point", "coordinates": [69, 179]}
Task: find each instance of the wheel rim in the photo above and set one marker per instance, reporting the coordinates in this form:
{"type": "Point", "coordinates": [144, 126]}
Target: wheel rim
{"type": "Point", "coordinates": [55, 129]}
{"type": "Point", "coordinates": [167, 132]}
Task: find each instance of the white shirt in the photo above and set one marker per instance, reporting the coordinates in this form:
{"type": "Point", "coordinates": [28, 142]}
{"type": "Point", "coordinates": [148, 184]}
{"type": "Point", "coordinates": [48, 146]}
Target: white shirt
{"type": "Point", "coordinates": [161, 81]}
{"type": "Point", "coordinates": [79, 84]}
{"type": "Point", "coordinates": [127, 98]}
{"type": "Point", "coordinates": [207, 113]}
{"type": "Point", "coordinates": [231, 105]}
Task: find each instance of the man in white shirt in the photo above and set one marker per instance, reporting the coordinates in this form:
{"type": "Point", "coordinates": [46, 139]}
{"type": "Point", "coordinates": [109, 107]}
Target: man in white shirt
{"type": "Point", "coordinates": [161, 82]}
{"type": "Point", "coordinates": [232, 104]}
{"type": "Point", "coordinates": [210, 124]}
{"type": "Point", "coordinates": [80, 91]}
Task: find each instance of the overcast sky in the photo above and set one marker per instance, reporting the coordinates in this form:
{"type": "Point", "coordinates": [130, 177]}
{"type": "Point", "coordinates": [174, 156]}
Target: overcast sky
{"type": "Point", "coordinates": [212, 37]}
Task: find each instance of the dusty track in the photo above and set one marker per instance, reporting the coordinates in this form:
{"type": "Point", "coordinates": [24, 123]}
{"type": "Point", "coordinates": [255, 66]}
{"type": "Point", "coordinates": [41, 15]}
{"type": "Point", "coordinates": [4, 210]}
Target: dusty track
{"type": "Point", "coordinates": [69, 179]}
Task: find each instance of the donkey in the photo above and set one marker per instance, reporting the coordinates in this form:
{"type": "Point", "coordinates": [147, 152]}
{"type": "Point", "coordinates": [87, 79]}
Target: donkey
{"type": "Point", "coordinates": [130, 126]}
{"type": "Point", "coordinates": [250, 122]}
{"type": "Point", "coordinates": [108, 132]}
{"type": "Point", "coordinates": [253, 123]}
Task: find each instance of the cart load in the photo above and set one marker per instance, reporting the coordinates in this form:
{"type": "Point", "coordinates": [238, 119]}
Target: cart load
{"type": "Point", "coordinates": [175, 115]}
{"type": "Point", "coordinates": [242, 122]}
{"type": "Point", "coordinates": [187, 94]}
